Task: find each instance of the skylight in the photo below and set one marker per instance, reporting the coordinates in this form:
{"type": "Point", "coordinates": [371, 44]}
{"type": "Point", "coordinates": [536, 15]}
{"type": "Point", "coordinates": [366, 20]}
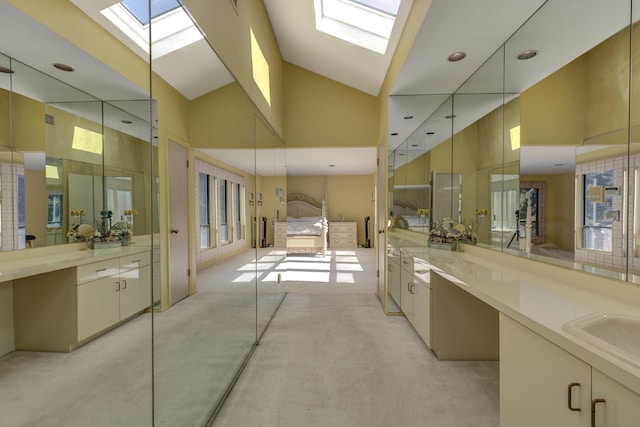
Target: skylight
{"type": "Point", "coordinates": [172, 27]}
{"type": "Point", "coordinates": [365, 23]}
{"type": "Point", "coordinates": [140, 9]}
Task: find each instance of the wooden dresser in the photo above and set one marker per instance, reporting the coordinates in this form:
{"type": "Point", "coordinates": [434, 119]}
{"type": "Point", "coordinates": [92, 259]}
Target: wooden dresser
{"type": "Point", "coordinates": [343, 235]}
{"type": "Point", "coordinates": [280, 235]}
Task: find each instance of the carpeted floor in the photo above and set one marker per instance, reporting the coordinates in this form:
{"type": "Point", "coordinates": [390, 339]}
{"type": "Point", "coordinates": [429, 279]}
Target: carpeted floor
{"type": "Point", "coordinates": [330, 357]}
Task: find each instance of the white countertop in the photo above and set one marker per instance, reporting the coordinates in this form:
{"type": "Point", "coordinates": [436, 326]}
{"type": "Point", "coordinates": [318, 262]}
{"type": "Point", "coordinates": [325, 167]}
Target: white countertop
{"type": "Point", "coordinates": [539, 301]}
{"type": "Point", "coordinates": [28, 262]}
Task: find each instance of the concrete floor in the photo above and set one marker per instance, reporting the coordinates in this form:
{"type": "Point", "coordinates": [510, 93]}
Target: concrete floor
{"type": "Point", "coordinates": [332, 358]}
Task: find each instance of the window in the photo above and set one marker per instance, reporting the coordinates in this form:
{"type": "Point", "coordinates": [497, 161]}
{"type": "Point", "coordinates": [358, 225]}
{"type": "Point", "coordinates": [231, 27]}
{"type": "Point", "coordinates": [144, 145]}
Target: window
{"type": "Point", "coordinates": [204, 209]}
{"type": "Point", "coordinates": [597, 219]}
{"type": "Point", "coordinates": [140, 9]}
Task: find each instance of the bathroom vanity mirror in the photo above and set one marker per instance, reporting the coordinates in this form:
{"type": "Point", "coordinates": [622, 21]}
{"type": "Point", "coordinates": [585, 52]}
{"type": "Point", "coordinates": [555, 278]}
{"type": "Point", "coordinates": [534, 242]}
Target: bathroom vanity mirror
{"type": "Point", "coordinates": [80, 155]}
{"type": "Point", "coordinates": [551, 116]}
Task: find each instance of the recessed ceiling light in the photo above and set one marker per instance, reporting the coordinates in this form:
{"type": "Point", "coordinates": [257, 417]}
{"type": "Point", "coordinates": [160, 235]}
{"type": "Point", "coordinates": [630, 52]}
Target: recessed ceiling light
{"type": "Point", "coordinates": [126, 122]}
{"type": "Point", "coordinates": [63, 67]}
{"type": "Point", "coordinates": [430, 133]}
{"type": "Point", "coordinates": [5, 70]}
{"type": "Point", "coordinates": [450, 116]}
{"type": "Point", "coordinates": [408, 117]}
{"type": "Point", "coordinates": [394, 134]}
{"type": "Point", "coordinates": [527, 54]}
{"type": "Point", "coordinates": [456, 56]}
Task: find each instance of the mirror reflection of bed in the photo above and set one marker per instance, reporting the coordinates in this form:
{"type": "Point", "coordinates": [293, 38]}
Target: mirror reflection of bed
{"type": "Point", "coordinates": [306, 225]}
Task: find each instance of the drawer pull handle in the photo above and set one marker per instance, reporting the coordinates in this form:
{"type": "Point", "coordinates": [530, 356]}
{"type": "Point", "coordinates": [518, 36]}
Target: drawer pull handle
{"type": "Point", "coordinates": [569, 395]}
{"type": "Point", "coordinates": [102, 269]}
{"type": "Point", "coordinates": [594, 402]}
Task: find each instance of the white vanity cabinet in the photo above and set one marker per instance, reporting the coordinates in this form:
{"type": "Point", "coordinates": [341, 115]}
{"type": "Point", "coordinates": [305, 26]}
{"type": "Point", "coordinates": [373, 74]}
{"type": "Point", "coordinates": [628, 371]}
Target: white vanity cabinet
{"type": "Point", "coordinates": [544, 385]}
{"type": "Point", "coordinates": [538, 381]}
{"type": "Point", "coordinates": [135, 281]}
{"type": "Point", "coordinates": [60, 309]}
{"type": "Point", "coordinates": [415, 299]}
{"type": "Point", "coordinates": [613, 404]}
{"type": "Point", "coordinates": [393, 279]}
{"type": "Point", "coordinates": [120, 288]}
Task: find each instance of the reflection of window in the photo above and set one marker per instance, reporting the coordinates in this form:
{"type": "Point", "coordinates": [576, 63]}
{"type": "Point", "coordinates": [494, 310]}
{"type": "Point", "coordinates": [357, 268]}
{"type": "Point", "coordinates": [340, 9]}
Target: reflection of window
{"type": "Point", "coordinates": [54, 210]}
{"type": "Point", "coordinates": [119, 193]}
{"type": "Point", "coordinates": [597, 221]}
{"type": "Point", "coordinates": [223, 209]}
{"type": "Point", "coordinates": [238, 197]}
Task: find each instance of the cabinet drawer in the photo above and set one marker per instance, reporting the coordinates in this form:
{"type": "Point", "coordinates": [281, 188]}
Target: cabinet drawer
{"type": "Point", "coordinates": [336, 228]}
{"type": "Point", "coordinates": [97, 270]}
{"type": "Point", "coordinates": [133, 261]}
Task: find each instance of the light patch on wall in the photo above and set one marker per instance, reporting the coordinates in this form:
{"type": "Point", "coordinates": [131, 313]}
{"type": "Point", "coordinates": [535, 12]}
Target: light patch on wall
{"type": "Point", "coordinates": [260, 68]}
{"type": "Point", "coordinates": [515, 137]}
{"type": "Point", "coordinates": [51, 172]}
{"type": "Point", "coordinates": [87, 140]}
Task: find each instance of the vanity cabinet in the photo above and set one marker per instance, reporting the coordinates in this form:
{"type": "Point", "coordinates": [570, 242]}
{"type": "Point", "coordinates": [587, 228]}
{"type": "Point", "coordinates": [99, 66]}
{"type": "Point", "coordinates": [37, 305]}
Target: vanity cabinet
{"type": "Point", "coordinates": [415, 299]}
{"type": "Point", "coordinates": [393, 278]}
{"type": "Point", "coordinates": [120, 288]}
{"type": "Point", "coordinates": [61, 309]}
{"type": "Point", "coordinates": [542, 384]}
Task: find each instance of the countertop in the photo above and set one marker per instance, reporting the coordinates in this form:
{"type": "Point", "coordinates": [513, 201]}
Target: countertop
{"type": "Point", "coordinates": [538, 301]}
{"type": "Point", "coordinates": [28, 262]}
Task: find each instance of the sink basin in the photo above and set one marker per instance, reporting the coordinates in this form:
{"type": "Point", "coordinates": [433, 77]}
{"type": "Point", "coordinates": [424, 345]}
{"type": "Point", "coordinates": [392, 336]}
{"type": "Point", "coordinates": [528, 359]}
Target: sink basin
{"type": "Point", "coordinates": [616, 334]}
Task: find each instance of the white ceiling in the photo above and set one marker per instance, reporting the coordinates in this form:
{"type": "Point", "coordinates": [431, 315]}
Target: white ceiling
{"type": "Point", "coordinates": [300, 161]}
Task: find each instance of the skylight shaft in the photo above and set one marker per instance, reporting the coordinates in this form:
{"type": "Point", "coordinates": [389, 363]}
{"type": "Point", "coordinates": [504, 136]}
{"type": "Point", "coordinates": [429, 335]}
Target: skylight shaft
{"type": "Point", "coordinates": [365, 23]}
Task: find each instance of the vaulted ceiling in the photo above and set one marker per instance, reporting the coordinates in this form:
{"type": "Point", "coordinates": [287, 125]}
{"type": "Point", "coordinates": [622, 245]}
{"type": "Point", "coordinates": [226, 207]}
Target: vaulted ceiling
{"type": "Point", "coordinates": [477, 28]}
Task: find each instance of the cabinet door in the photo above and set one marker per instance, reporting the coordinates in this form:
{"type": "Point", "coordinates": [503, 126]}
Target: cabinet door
{"type": "Point", "coordinates": [98, 306]}
{"type": "Point", "coordinates": [421, 311]}
{"type": "Point", "coordinates": [536, 380]}
{"type": "Point", "coordinates": [135, 291]}
{"type": "Point", "coordinates": [394, 279]}
{"type": "Point", "coordinates": [621, 406]}
{"type": "Point", "coordinates": [406, 296]}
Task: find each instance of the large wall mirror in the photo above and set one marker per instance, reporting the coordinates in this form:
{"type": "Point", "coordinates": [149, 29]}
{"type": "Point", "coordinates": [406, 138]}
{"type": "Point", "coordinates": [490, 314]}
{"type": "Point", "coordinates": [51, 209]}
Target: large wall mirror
{"type": "Point", "coordinates": [543, 138]}
{"type": "Point", "coordinates": [67, 155]}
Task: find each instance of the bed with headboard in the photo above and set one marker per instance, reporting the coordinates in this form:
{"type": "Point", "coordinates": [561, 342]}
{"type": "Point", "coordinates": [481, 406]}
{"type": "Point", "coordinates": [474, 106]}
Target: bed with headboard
{"type": "Point", "coordinates": [306, 224]}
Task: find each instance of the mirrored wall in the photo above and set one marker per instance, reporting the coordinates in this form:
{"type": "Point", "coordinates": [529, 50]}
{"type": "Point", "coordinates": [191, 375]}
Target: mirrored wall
{"type": "Point", "coordinates": [94, 157]}
{"type": "Point", "coordinates": [538, 146]}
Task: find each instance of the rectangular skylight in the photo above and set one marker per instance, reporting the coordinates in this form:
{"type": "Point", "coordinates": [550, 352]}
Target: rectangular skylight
{"type": "Point", "coordinates": [140, 8]}
{"type": "Point", "coordinates": [365, 23]}
{"type": "Point", "coordinates": [172, 27]}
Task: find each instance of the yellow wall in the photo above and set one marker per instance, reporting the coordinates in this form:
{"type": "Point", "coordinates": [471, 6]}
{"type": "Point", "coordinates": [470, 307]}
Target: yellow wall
{"type": "Point", "coordinates": [228, 31]}
{"type": "Point", "coordinates": [35, 206]}
{"type": "Point", "coordinates": [553, 110]}
{"type": "Point", "coordinates": [222, 118]}
{"type": "Point", "coordinates": [321, 112]}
